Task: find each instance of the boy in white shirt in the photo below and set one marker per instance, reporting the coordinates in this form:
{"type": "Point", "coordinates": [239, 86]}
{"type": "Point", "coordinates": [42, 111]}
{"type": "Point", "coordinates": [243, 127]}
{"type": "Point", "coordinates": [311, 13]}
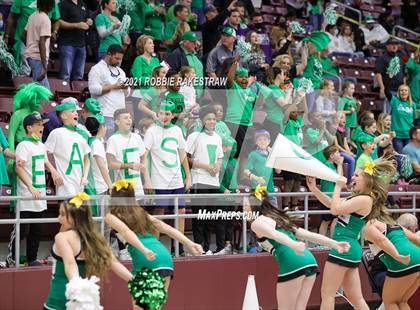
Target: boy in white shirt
{"type": "Point", "coordinates": [205, 154]}
{"type": "Point", "coordinates": [70, 150]}
{"type": "Point", "coordinates": [99, 179]}
{"type": "Point", "coordinates": [125, 151]}
{"type": "Point", "coordinates": [31, 158]}
{"type": "Point", "coordinates": [166, 145]}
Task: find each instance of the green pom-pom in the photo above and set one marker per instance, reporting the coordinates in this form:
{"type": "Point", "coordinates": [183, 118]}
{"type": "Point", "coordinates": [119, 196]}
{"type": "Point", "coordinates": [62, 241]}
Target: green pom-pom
{"type": "Point", "coordinates": [305, 86]}
{"type": "Point", "coordinates": [330, 16]}
{"type": "Point", "coordinates": [125, 26]}
{"type": "Point", "coordinates": [30, 96]}
{"type": "Point", "coordinates": [148, 289]}
{"type": "Point", "coordinates": [126, 5]}
{"type": "Point", "coordinates": [394, 67]}
{"type": "Point", "coordinates": [297, 28]}
{"type": "Point", "coordinates": [8, 59]}
{"type": "Point", "coordinates": [244, 49]}
{"type": "Point", "coordinates": [317, 68]}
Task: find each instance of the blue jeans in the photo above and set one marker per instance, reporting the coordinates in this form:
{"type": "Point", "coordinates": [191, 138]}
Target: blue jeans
{"type": "Point", "coordinates": [316, 21]}
{"type": "Point", "coordinates": [72, 62]}
{"type": "Point", "coordinates": [110, 126]}
{"type": "Point", "coordinates": [399, 144]}
{"type": "Point", "coordinates": [36, 68]}
{"type": "Point", "coordinates": [351, 161]}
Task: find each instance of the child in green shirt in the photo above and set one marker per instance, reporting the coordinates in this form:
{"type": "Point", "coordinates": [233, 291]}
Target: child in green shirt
{"type": "Point", "coordinates": [368, 146]}
{"type": "Point", "coordinates": [350, 106]}
{"type": "Point", "coordinates": [317, 136]}
{"type": "Point", "coordinates": [368, 128]}
{"type": "Point", "coordinates": [334, 161]}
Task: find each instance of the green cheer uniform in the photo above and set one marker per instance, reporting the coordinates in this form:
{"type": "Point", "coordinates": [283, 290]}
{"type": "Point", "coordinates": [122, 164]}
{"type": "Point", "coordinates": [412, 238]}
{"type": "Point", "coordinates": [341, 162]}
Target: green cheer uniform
{"type": "Point", "coordinates": [291, 265]}
{"type": "Point", "coordinates": [348, 229]}
{"type": "Point", "coordinates": [404, 246]}
{"type": "Point", "coordinates": [56, 299]}
{"type": "Point", "coordinates": [162, 264]}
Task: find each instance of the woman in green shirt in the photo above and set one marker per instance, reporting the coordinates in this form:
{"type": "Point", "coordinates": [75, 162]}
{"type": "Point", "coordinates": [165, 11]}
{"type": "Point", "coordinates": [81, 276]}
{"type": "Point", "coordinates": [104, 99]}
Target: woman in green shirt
{"type": "Point", "coordinates": [403, 114]}
{"type": "Point", "coordinates": [107, 26]}
{"type": "Point", "coordinates": [144, 64]}
{"type": "Point", "coordinates": [276, 103]}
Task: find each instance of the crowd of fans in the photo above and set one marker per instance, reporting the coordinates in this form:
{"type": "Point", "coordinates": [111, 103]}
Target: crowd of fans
{"type": "Point", "coordinates": [208, 137]}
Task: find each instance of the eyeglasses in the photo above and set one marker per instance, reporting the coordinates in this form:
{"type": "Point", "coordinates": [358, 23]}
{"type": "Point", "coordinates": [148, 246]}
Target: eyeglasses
{"type": "Point", "coordinates": [114, 75]}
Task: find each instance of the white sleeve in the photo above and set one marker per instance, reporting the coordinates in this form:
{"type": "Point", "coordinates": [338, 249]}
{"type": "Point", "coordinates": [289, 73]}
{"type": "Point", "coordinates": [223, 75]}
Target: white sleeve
{"type": "Point", "coordinates": [182, 144]}
{"type": "Point", "coordinates": [142, 148]}
{"type": "Point", "coordinates": [21, 152]}
{"type": "Point", "coordinates": [98, 149]}
{"type": "Point", "coordinates": [51, 142]}
{"type": "Point", "coordinates": [219, 150]}
{"type": "Point", "coordinates": [94, 79]}
{"type": "Point", "coordinates": [191, 143]}
{"type": "Point", "coordinates": [148, 138]}
{"type": "Point", "coordinates": [111, 146]}
{"type": "Point", "coordinates": [85, 147]}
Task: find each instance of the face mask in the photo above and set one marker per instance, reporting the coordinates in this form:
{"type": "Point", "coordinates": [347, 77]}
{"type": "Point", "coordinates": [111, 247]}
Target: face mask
{"type": "Point", "coordinates": [258, 25]}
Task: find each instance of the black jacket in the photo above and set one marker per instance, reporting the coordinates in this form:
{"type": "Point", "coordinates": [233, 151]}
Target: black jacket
{"type": "Point", "coordinates": [177, 59]}
{"type": "Point", "coordinates": [212, 30]}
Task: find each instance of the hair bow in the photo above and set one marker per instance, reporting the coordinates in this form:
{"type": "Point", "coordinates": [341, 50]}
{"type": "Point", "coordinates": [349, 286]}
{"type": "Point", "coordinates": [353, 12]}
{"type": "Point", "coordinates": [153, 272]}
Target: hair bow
{"type": "Point", "coordinates": [78, 199]}
{"type": "Point", "coordinates": [123, 184]}
{"type": "Point", "coordinates": [259, 192]}
{"type": "Point", "coordinates": [369, 168]}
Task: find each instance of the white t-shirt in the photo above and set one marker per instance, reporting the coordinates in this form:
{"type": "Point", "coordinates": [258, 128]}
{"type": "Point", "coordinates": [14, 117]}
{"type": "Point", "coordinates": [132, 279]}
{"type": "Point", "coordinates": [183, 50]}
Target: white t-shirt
{"type": "Point", "coordinates": [127, 149]}
{"type": "Point", "coordinates": [164, 145]}
{"type": "Point", "coordinates": [69, 149]}
{"type": "Point", "coordinates": [98, 149]}
{"type": "Point", "coordinates": [206, 149]}
{"type": "Point", "coordinates": [190, 97]}
{"type": "Point", "coordinates": [33, 154]}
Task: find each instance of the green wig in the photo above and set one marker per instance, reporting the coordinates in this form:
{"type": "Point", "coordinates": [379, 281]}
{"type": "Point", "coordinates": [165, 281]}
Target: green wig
{"type": "Point", "coordinates": [30, 96]}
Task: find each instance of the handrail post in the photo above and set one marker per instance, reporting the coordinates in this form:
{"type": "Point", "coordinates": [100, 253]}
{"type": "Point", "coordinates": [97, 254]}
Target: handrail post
{"type": "Point", "coordinates": [102, 215]}
{"type": "Point", "coordinates": [244, 229]}
{"type": "Point", "coordinates": [359, 13]}
{"type": "Point", "coordinates": [17, 235]}
{"type": "Point", "coordinates": [176, 208]}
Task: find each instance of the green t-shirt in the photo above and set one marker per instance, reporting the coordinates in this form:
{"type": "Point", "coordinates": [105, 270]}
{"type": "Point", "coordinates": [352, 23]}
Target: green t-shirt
{"type": "Point", "coordinates": [170, 29]}
{"type": "Point", "coordinates": [293, 130]}
{"type": "Point", "coordinates": [413, 70]}
{"type": "Point", "coordinates": [229, 173]}
{"type": "Point", "coordinates": [154, 22]}
{"type": "Point", "coordinates": [327, 65]}
{"type": "Point", "coordinates": [114, 38]}
{"type": "Point", "coordinates": [256, 164]}
{"type": "Point", "coordinates": [313, 71]}
{"type": "Point", "coordinates": [4, 178]}
{"type": "Point", "coordinates": [170, 17]}
{"type": "Point", "coordinates": [240, 105]}
{"type": "Point", "coordinates": [402, 117]}
{"type": "Point", "coordinates": [176, 98]}
{"type": "Point", "coordinates": [346, 103]}
{"type": "Point", "coordinates": [143, 68]}
{"type": "Point", "coordinates": [194, 61]}
{"type": "Point", "coordinates": [315, 9]}
{"type": "Point", "coordinates": [328, 186]}
{"type": "Point", "coordinates": [25, 8]}
{"type": "Point", "coordinates": [152, 97]}
{"type": "Point", "coordinates": [363, 160]}
{"type": "Point", "coordinates": [274, 111]}
{"type": "Point", "coordinates": [314, 148]}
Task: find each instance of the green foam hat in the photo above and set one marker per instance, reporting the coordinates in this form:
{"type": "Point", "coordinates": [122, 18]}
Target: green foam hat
{"type": "Point", "coordinates": [167, 106]}
{"type": "Point", "coordinates": [318, 38]}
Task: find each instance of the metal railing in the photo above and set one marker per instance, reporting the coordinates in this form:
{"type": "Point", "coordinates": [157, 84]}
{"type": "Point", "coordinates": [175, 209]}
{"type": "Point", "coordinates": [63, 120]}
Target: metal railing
{"type": "Point", "coordinates": [176, 216]}
{"type": "Point", "coordinates": [394, 35]}
{"type": "Point", "coordinates": [342, 5]}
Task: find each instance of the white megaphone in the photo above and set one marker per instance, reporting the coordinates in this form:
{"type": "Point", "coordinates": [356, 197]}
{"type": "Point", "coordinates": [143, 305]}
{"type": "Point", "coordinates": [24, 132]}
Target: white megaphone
{"type": "Point", "coordinates": [251, 298]}
{"type": "Point", "coordinates": [286, 155]}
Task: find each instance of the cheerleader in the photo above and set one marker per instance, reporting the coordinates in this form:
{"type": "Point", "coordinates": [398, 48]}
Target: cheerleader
{"type": "Point", "coordinates": [279, 235]}
{"type": "Point", "coordinates": [79, 250]}
{"type": "Point", "coordinates": [398, 248]}
{"type": "Point", "coordinates": [369, 193]}
{"type": "Point", "coordinates": [140, 229]}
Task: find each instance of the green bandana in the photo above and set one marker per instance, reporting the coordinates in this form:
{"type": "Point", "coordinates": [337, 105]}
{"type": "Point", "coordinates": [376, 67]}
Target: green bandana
{"type": "Point", "coordinates": [160, 124]}
{"type": "Point", "coordinates": [81, 132]}
{"type": "Point", "coordinates": [33, 138]}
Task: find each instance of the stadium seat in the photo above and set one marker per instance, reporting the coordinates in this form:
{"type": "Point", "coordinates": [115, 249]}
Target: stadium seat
{"type": "Point", "coordinates": [280, 11]}
{"type": "Point", "coordinates": [5, 127]}
{"type": "Point", "coordinates": [364, 63]}
{"type": "Point", "coordinates": [79, 86]}
{"type": "Point", "coordinates": [61, 88]}
{"type": "Point", "coordinates": [269, 19]}
{"type": "Point", "coordinates": [351, 73]}
{"type": "Point", "coordinates": [267, 9]}
{"type": "Point", "coordinates": [18, 80]}
{"type": "Point", "coordinates": [366, 75]}
{"type": "Point", "coordinates": [6, 108]}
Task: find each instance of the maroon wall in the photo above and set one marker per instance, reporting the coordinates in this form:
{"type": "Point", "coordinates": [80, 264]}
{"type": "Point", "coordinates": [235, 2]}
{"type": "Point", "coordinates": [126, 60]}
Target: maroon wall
{"type": "Point", "coordinates": [216, 282]}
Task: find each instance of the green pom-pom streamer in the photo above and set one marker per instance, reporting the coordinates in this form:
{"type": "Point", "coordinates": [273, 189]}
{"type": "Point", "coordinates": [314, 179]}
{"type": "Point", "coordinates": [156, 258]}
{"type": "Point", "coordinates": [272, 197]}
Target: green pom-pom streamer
{"type": "Point", "coordinates": [8, 59]}
{"type": "Point", "coordinates": [317, 68]}
{"type": "Point", "coordinates": [244, 49]}
{"type": "Point", "coordinates": [148, 289]}
{"type": "Point", "coordinates": [125, 26]}
{"type": "Point", "coordinates": [305, 86]}
{"type": "Point", "coordinates": [330, 16]}
{"type": "Point", "coordinates": [297, 28]}
{"type": "Point", "coordinates": [127, 5]}
{"type": "Point", "coordinates": [30, 96]}
{"type": "Point", "coordinates": [394, 67]}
